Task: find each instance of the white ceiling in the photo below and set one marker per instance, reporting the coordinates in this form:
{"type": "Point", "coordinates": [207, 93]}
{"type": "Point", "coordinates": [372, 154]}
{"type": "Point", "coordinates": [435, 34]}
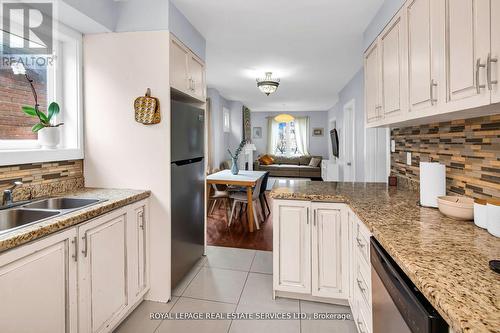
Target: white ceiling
{"type": "Point", "coordinates": [314, 46]}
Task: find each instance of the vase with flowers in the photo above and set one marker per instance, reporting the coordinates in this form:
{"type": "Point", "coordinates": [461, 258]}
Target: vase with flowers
{"type": "Point", "coordinates": [234, 157]}
{"type": "Point", "coordinates": [47, 129]}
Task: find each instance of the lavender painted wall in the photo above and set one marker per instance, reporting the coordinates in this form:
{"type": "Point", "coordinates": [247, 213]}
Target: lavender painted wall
{"type": "Point", "coordinates": [179, 25]}
{"type": "Point", "coordinates": [388, 9]}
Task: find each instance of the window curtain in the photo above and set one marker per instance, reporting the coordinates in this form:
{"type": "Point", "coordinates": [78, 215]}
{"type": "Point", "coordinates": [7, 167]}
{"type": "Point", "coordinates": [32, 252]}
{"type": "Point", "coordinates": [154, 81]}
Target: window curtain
{"type": "Point", "coordinates": [272, 135]}
{"type": "Point", "coordinates": [302, 134]}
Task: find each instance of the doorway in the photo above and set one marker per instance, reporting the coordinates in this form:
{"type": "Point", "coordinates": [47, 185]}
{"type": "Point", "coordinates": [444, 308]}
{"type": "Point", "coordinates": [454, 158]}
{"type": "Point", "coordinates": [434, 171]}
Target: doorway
{"type": "Point", "coordinates": [348, 138]}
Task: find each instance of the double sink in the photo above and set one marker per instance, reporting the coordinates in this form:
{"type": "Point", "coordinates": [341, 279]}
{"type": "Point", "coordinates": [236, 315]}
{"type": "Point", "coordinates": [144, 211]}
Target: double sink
{"type": "Point", "coordinates": [33, 212]}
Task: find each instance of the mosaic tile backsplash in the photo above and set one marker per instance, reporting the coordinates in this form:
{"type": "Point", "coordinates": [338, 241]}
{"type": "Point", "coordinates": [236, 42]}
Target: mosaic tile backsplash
{"type": "Point", "coordinates": [42, 179]}
{"type": "Point", "coordinates": [470, 149]}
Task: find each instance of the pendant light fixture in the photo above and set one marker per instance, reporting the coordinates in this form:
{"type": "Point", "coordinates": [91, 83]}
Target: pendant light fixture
{"type": "Point", "coordinates": [268, 85]}
{"type": "Point", "coordinates": [284, 118]}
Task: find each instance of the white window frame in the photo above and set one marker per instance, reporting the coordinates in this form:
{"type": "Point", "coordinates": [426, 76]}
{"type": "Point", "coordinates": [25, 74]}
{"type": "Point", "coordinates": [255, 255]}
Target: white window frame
{"type": "Point", "coordinates": [14, 152]}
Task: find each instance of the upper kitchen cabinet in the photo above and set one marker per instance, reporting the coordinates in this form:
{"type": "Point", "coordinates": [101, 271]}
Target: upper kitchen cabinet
{"type": "Point", "coordinates": [425, 26]}
{"type": "Point", "coordinates": [468, 46]}
{"type": "Point", "coordinates": [492, 62]}
{"type": "Point", "coordinates": [393, 48]}
{"type": "Point", "coordinates": [438, 61]}
{"type": "Point", "coordinates": [187, 71]}
{"type": "Point", "coordinates": [372, 83]}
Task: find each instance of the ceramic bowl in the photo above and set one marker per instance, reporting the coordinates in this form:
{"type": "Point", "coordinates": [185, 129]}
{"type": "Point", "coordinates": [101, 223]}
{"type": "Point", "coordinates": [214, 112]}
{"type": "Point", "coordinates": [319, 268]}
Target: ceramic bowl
{"type": "Point", "coordinates": [458, 208]}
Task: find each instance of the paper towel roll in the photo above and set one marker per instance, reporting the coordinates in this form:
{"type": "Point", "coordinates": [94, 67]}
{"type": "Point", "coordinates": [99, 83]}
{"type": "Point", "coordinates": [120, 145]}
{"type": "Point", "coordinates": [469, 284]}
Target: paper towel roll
{"type": "Point", "coordinates": [432, 183]}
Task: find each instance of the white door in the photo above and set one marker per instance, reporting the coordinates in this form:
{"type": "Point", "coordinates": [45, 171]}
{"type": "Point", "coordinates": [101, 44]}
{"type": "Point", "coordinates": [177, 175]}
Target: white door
{"type": "Point", "coordinates": [179, 57]}
{"type": "Point", "coordinates": [348, 137]}
{"type": "Point", "coordinates": [425, 25]}
{"type": "Point", "coordinates": [393, 49]}
{"type": "Point", "coordinates": [468, 40]}
{"type": "Point", "coordinates": [494, 59]}
{"type": "Point", "coordinates": [330, 251]}
{"type": "Point", "coordinates": [138, 250]}
{"type": "Point", "coordinates": [38, 286]}
{"type": "Point", "coordinates": [372, 83]}
{"type": "Point", "coordinates": [102, 272]}
{"type": "Point", "coordinates": [292, 246]}
{"type": "Point", "coordinates": [197, 77]}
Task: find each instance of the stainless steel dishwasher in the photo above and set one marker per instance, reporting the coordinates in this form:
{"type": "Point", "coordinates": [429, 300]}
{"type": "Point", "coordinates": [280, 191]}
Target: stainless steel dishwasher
{"type": "Point", "coordinates": [398, 306]}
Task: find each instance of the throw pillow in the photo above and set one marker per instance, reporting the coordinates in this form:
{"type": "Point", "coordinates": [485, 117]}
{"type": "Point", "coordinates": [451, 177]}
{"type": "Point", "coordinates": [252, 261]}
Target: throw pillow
{"type": "Point", "coordinates": [266, 160]}
{"type": "Point", "coordinates": [315, 162]}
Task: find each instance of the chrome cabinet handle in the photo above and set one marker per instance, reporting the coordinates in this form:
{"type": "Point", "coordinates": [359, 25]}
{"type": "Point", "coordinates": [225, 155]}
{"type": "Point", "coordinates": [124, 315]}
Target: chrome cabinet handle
{"type": "Point", "coordinates": [433, 84]}
{"type": "Point", "coordinates": [75, 255]}
{"type": "Point", "coordinates": [360, 324]}
{"type": "Point", "coordinates": [84, 251]}
{"type": "Point", "coordinates": [360, 242]}
{"type": "Point", "coordinates": [489, 63]}
{"type": "Point", "coordinates": [360, 285]}
{"type": "Point", "coordinates": [141, 217]}
{"type": "Point", "coordinates": [479, 86]}
{"type": "Point", "coordinates": [314, 220]}
{"type": "Point", "coordinates": [307, 219]}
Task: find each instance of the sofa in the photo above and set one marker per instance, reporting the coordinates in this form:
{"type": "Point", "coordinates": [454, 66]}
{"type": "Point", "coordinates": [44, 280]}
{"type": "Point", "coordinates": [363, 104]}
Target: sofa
{"type": "Point", "coordinates": [290, 167]}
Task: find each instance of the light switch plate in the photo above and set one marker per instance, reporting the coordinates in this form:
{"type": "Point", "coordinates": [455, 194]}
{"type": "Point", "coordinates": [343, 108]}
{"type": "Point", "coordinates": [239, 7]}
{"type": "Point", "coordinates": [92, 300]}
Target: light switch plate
{"type": "Point", "coordinates": [408, 158]}
{"type": "Point", "coordinates": [393, 146]}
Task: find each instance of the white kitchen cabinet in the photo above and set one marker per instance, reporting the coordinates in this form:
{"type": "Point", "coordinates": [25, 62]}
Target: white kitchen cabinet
{"type": "Point", "coordinates": [139, 251]}
{"type": "Point", "coordinates": [38, 291]}
{"type": "Point", "coordinates": [493, 61]}
{"type": "Point", "coordinates": [102, 272]}
{"type": "Point", "coordinates": [292, 246]}
{"type": "Point", "coordinates": [468, 46]}
{"type": "Point", "coordinates": [372, 83]}
{"type": "Point", "coordinates": [330, 251]}
{"type": "Point", "coordinates": [425, 27]}
{"type": "Point", "coordinates": [392, 43]}
{"type": "Point", "coordinates": [187, 71]}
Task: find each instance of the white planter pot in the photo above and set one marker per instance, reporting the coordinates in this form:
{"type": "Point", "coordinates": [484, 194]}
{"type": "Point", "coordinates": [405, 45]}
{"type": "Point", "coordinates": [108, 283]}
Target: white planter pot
{"type": "Point", "coordinates": [48, 137]}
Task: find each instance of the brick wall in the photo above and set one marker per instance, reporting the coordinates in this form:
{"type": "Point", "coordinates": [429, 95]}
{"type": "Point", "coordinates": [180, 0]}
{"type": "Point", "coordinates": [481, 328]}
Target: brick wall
{"type": "Point", "coordinates": [14, 93]}
{"type": "Point", "coordinates": [469, 148]}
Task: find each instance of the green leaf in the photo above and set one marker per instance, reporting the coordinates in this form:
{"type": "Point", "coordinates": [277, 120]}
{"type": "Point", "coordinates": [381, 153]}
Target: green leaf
{"type": "Point", "coordinates": [29, 110]}
{"type": "Point", "coordinates": [53, 110]}
{"type": "Point", "coordinates": [43, 117]}
{"type": "Point", "coordinates": [37, 127]}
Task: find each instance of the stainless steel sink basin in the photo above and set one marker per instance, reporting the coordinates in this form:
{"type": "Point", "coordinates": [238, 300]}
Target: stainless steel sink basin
{"type": "Point", "coordinates": [62, 203]}
{"type": "Point", "coordinates": [18, 217]}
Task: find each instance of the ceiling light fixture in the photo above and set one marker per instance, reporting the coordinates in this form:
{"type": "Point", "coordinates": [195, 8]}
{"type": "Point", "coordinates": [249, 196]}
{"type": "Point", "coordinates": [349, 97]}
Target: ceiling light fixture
{"type": "Point", "coordinates": [268, 85]}
{"type": "Point", "coordinates": [284, 118]}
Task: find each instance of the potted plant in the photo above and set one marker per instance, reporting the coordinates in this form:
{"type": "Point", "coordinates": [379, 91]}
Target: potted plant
{"type": "Point", "coordinates": [234, 157]}
{"type": "Point", "coordinates": [48, 131]}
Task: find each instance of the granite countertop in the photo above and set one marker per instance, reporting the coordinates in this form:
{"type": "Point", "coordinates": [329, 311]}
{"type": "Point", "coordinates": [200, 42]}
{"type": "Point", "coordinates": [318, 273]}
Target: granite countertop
{"type": "Point", "coordinates": [446, 259]}
{"type": "Point", "coordinates": [115, 198]}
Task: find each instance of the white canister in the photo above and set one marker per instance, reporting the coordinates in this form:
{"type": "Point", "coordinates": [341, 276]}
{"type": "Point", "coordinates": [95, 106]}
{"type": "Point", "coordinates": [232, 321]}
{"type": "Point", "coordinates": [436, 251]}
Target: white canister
{"type": "Point", "coordinates": [481, 213]}
{"type": "Point", "coordinates": [493, 208]}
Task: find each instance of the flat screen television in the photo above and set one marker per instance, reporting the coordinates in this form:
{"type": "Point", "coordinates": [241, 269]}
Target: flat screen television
{"type": "Point", "coordinates": [335, 142]}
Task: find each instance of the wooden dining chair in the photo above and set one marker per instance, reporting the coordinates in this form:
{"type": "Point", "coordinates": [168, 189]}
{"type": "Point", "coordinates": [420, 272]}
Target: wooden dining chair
{"type": "Point", "coordinates": [219, 195]}
{"type": "Point", "coordinates": [241, 198]}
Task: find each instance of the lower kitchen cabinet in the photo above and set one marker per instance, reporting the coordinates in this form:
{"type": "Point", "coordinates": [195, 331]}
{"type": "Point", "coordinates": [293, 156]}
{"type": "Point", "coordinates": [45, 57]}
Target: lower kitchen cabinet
{"type": "Point", "coordinates": [311, 249]}
{"type": "Point", "coordinates": [84, 279]}
{"type": "Point", "coordinates": [38, 286]}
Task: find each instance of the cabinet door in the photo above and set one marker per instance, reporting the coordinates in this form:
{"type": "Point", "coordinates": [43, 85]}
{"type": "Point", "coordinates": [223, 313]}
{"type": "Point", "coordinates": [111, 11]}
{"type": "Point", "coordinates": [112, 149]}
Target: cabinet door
{"type": "Point", "coordinates": [393, 49]}
{"type": "Point", "coordinates": [330, 251]}
{"type": "Point", "coordinates": [425, 25]}
{"type": "Point", "coordinates": [372, 83]}
{"type": "Point", "coordinates": [179, 57]}
{"type": "Point", "coordinates": [102, 272]}
{"type": "Point", "coordinates": [38, 286]}
{"type": "Point", "coordinates": [197, 77]}
{"type": "Point", "coordinates": [494, 59]}
{"type": "Point", "coordinates": [139, 250]}
{"type": "Point", "coordinates": [292, 246]}
{"type": "Point", "coordinates": [468, 45]}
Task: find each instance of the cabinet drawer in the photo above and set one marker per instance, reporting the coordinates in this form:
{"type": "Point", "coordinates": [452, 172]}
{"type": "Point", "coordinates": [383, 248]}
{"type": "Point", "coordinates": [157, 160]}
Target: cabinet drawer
{"type": "Point", "coordinates": [361, 240]}
{"type": "Point", "coordinates": [363, 322]}
{"type": "Point", "coordinates": [362, 283]}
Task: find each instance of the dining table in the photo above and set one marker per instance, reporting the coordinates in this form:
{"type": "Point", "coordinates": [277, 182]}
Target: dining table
{"type": "Point", "coordinates": [243, 178]}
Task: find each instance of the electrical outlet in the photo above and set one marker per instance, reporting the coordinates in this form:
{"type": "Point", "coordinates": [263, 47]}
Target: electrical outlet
{"type": "Point", "coordinates": [393, 146]}
{"type": "Point", "coordinates": [408, 158]}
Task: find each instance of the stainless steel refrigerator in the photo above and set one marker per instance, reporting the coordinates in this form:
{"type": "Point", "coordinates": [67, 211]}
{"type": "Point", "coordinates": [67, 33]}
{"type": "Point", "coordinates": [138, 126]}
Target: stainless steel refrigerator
{"type": "Point", "coordinates": [188, 204]}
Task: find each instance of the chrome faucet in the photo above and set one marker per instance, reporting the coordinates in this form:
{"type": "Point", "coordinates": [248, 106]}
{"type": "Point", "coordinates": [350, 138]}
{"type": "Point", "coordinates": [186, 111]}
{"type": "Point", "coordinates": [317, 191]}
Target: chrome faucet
{"type": "Point", "coordinates": [7, 198]}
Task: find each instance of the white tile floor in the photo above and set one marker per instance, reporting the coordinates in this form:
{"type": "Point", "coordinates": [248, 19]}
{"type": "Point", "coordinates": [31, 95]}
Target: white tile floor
{"type": "Point", "coordinates": [232, 280]}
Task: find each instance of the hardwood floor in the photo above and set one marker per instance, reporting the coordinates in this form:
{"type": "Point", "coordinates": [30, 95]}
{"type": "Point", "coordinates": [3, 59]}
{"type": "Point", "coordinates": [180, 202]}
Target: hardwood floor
{"type": "Point", "coordinates": [237, 235]}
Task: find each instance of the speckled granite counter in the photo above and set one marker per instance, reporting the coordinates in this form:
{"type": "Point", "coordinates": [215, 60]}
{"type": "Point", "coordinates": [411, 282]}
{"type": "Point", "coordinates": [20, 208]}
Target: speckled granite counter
{"type": "Point", "coordinates": [446, 259]}
{"type": "Point", "coordinates": [114, 199]}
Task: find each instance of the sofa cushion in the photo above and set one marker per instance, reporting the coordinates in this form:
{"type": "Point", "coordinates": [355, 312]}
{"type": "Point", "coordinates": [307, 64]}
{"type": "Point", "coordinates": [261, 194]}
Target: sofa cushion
{"type": "Point", "coordinates": [315, 162]}
{"type": "Point", "coordinates": [286, 160]}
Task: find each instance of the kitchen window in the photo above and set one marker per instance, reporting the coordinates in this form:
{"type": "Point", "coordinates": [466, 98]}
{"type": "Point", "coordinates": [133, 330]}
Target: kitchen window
{"type": "Point", "coordinates": [288, 138]}
{"type": "Point", "coordinates": [57, 79]}
{"type": "Point", "coordinates": [287, 141]}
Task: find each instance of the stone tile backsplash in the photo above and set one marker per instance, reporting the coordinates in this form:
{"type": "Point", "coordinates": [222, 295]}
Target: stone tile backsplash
{"type": "Point", "coordinates": [470, 149]}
